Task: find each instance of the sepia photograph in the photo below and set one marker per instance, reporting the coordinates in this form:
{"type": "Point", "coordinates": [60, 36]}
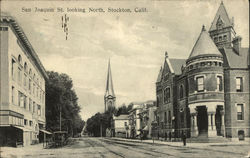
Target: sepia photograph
{"type": "Point", "coordinates": [124, 79]}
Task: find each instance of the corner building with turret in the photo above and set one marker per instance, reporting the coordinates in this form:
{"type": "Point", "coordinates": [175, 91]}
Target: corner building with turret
{"type": "Point", "coordinates": [207, 95]}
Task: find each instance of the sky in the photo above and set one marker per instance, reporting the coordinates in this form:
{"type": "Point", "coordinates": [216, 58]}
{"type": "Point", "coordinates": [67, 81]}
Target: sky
{"type": "Point", "coordinates": [135, 43]}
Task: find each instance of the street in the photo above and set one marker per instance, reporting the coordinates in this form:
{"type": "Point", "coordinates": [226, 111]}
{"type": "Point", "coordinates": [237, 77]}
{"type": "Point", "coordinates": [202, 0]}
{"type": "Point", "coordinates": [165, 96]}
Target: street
{"type": "Point", "coordinates": [91, 147]}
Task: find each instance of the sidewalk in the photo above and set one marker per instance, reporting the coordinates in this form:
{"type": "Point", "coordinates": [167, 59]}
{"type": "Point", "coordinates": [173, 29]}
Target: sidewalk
{"type": "Point", "coordinates": [9, 152]}
{"type": "Point", "coordinates": [179, 144]}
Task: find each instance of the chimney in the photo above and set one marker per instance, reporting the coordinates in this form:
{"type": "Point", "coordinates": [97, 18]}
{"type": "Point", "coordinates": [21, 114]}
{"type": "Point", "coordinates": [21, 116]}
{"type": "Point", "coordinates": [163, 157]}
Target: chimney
{"type": "Point", "coordinates": [237, 44]}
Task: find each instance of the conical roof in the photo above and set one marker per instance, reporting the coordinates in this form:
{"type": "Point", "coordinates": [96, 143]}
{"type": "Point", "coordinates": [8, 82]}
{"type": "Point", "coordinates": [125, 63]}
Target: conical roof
{"type": "Point", "coordinates": [204, 45]}
{"type": "Point", "coordinates": [109, 84]}
{"type": "Point", "coordinates": [221, 15]}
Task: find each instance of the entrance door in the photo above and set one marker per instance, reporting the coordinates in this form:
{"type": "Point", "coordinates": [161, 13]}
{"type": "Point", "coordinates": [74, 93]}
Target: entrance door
{"type": "Point", "coordinates": [202, 120]}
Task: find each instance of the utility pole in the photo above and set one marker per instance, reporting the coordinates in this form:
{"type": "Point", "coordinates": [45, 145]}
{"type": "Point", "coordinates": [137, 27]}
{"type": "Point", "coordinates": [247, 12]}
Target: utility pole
{"type": "Point", "coordinates": [100, 126]}
{"type": "Point", "coordinates": [60, 118]}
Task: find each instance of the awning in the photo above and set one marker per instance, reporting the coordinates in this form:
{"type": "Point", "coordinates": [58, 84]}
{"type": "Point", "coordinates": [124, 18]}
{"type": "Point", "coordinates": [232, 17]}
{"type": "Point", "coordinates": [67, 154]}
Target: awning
{"type": "Point", "coordinates": [44, 131]}
{"type": "Point", "coordinates": [22, 128]}
{"type": "Point", "coordinates": [145, 128]}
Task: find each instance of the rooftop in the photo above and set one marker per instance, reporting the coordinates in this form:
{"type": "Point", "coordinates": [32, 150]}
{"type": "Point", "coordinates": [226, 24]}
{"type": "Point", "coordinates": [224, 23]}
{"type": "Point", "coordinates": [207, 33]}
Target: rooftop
{"type": "Point", "coordinates": [204, 45]}
{"type": "Point", "coordinates": [6, 18]}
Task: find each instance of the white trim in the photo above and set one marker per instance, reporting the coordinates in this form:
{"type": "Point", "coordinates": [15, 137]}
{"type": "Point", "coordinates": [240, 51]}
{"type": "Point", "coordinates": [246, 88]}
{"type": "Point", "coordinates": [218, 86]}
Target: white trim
{"type": "Point", "coordinates": [221, 75]}
{"type": "Point", "coordinates": [196, 76]}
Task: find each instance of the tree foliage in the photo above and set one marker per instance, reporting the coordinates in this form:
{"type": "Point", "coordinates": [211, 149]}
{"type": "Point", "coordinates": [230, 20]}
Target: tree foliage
{"type": "Point", "coordinates": [60, 96]}
{"type": "Point", "coordinates": [103, 120]}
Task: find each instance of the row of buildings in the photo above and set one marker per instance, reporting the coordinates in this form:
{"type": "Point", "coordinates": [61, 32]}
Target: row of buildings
{"type": "Point", "coordinates": [22, 87]}
{"type": "Point", "coordinates": [206, 95]}
{"type": "Point", "coordinates": [136, 124]}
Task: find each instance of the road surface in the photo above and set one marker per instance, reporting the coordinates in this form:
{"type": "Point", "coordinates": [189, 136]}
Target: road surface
{"type": "Point", "coordinates": [89, 147]}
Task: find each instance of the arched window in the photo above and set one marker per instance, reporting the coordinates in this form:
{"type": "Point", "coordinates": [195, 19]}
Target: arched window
{"type": "Point", "coordinates": [30, 72]}
{"type": "Point", "coordinates": [110, 104]}
{"type": "Point", "coordinates": [25, 67]}
{"type": "Point", "coordinates": [20, 59]}
{"type": "Point", "coordinates": [181, 91]}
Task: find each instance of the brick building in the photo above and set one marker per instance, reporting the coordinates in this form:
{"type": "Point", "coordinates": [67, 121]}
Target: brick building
{"type": "Point", "coordinates": [208, 93]}
{"type": "Point", "coordinates": [22, 86]}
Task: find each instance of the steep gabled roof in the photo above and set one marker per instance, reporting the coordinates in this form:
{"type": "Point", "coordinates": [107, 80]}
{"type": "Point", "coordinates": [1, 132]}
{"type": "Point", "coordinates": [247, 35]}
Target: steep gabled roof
{"type": "Point", "coordinates": [159, 76]}
{"type": "Point", "coordinates": [177, 65]}
{"type": "Point", "coordinates": [222, 14]}
{"type": "Point", "coordinates": [204, 45]}
{"type": "Point", "coordinates": [235, 60]}
{"type": "Point", "coordinates": [109, 84]}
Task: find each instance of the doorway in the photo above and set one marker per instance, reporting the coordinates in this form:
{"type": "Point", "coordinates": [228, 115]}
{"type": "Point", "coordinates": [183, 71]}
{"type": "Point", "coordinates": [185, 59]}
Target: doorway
{"type": "Point", "coordinates": [202, 120]}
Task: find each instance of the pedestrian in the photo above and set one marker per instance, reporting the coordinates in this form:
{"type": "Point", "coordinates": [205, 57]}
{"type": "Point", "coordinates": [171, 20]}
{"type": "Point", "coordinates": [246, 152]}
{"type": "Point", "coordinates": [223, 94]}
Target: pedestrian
{"type": "Point", "coordinates": [170, 136]}
{"type": "Point", "coordinates": [166, 136]}
{"type": "Point", "coordinates": [184, 138]}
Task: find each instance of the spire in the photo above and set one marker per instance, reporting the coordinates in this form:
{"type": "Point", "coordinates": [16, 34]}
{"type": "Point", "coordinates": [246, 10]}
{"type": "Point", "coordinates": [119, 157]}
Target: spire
{"type": "Point", "coordinates": [204, 45]}
{"type": "Point", "coordinates": [221, 17]}
{"type": "Point", "coordinates": [109, 85]}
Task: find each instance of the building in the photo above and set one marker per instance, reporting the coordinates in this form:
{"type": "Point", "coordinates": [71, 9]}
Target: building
{"type": "Point", "coordinates": [120, 124]}
{"type": "Point", "coordinates": [147, 116]}
{"type": "Point", "coordinates": [109, 97]}
{"type": "Point", "coordinates": [165, 96]}
{"type": "Point", "coordinates": [207, 95]}
{"type": "Point", "coordinates": [22, 83]}
{"type": "Point", "coordinates": [135, 121]}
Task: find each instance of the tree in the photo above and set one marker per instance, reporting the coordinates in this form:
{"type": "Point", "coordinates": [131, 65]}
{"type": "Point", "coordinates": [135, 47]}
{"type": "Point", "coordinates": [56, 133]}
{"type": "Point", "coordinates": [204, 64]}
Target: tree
{"type": "Point", "coordinates": [60, 97]}
{"type": "Point", "coordinates": [103, 120]}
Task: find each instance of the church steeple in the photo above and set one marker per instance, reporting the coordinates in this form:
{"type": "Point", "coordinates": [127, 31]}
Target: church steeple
{"type": "Point", "coordinates": [222, 28]}
{"type": "Point", "coordinates": [109, 97]}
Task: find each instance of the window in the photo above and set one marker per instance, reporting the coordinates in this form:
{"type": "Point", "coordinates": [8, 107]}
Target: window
{"type": "Point", "coordinates": [165, 117]}
{"type": "Point", "coordinates": [20, 59]}
{"type": "Point", "coordinates": [12, 94]}
{"type": "Point", "coordinates": [30, 105]}
{"type": "Point", "coordinates": [225, 37]}
{"type": "Point", "coordinates": [239, 87]}
{"type": "Point", "coordinates": [200, 84]}
{"type": "Point", "coordinates": [215, 39]}
{"type": "Point", "coordinates": [39, 110]}
{"type": "Point", "coordinates": [34, 88]}
{"type": "Point", "coordinates": [125, 124]}
{"type": "Point", "coordinates": [240, 112]}
{"type": "Point", "coordinates": [19, 98]}
{"type": "Point", "coordinates": [30, 123]}
{"type": "Point", "coordinates": [34, 107]}
{"type": "Point", "coordinates": [12, 69]}
{"type": "Point", "coordinates": [220, 38]}
{"type": "Point", "coordinates": [181, 92]}
{"type": "Point", "coordinates": [25, 122]}
{"type": "Point", "coordinates": [24, 101]}
{"type": "Point", "coordinates": [19, 75]}
{"type": "Point", "coordinates": [219, 83]}
{"type": "Point", "coordinates": [169, 116]}
{"type": "Point", "coordinates": [30, 85]}
{"type": "Point", "coordinates": [167, 95]}
{"type": "Point", "coordinates": [25, 80]}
